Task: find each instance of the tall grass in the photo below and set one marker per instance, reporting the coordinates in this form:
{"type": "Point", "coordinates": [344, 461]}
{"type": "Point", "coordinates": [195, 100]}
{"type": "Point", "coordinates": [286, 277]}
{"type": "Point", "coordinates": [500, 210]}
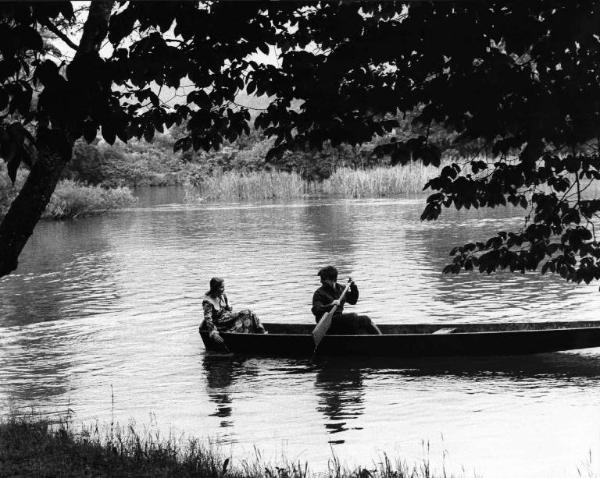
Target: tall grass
{"type": "Point", "coordinates": [256, 185]}
{"type": "Point", "coordinates": [379, 182]}
{"type": "Point", "coordinates": [35, 447]}
{"type": "Point", "coordinates": [345, 182]}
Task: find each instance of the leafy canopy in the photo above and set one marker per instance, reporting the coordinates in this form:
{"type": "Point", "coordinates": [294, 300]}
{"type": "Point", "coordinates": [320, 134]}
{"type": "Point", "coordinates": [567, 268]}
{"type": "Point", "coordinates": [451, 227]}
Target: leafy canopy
{"type": "Point", "coordinates": [520, 79]}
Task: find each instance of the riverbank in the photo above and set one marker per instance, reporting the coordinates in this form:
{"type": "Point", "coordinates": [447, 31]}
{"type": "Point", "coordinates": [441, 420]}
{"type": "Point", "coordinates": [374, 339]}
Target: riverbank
{"type": "Point", "coordinates": [74, 198]}
{"type": "Point", "coordinates": [37, 447]}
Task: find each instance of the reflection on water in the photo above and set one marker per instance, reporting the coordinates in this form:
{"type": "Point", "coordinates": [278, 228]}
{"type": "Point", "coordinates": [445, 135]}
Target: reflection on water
{"type": "Point", "coordinates": [219, 377]}
{"type": "Point", "coordinates": [102, 317]}
{"type": "Point", "coordinates": [483, 407]}
{"type": "Point", "coordinates": [562, 368]}
{"type": "Point", "coordinates": [340, 397]}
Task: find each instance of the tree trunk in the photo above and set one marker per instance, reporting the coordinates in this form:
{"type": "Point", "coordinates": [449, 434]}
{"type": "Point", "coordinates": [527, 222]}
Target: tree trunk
{"type": "Point", "coordinates": [96, 26]}
{"type": "Point", "coordinates": [54, 151]}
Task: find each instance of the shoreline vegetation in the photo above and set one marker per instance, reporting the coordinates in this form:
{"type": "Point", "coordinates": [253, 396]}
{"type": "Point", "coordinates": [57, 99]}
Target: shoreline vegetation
{"type": "Point", "coordinates": [101, 177]}
{"type": "Point", "coordinates": [345, 182]}
{"type": "Point", "coordinates": [71, 199]}
{"type": "Point", "coordinates": [31, 446]}
{"type": "Point", "coordinates": [76, 198]}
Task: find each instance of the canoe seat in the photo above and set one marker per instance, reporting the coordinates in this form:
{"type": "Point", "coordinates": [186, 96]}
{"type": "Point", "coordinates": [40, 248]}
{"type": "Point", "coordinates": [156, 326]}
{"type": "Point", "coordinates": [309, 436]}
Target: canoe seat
{"type": "Point", "coordinates": [445, 330]}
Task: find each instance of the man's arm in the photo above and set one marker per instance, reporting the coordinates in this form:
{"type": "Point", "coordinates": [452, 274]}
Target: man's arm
{"type": "Point", "coordinates": [321, 304]}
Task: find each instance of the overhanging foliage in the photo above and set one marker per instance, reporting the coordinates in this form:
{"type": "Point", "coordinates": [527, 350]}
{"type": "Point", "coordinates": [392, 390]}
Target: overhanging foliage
{"type": "Point", "coordinates": [520, 79]}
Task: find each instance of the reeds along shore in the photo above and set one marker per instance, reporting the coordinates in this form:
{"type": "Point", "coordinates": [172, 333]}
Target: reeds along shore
{"type": "Point", "coordinates": [379, 182]}
{"type": "Point", "coordinates": [344, 182]}
{"type": "Point", "coordinates": [348, 183]}
{"type": "Point", "coordinates": [35, 447]}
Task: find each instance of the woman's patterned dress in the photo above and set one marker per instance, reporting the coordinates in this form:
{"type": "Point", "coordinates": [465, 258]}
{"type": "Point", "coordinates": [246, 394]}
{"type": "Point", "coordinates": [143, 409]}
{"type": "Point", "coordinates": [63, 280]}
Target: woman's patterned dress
{"type": "Point", "coordinates": [219, 316]}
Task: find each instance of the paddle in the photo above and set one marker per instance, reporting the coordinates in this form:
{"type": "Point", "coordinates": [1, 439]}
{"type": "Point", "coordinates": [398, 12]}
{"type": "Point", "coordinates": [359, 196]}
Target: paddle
{"type": "Point", "coordinates": [323, 325]}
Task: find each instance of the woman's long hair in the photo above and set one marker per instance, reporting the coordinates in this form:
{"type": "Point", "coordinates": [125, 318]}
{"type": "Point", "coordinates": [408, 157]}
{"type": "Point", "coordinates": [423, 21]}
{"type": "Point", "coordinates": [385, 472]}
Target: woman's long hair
{"type": "Point", "coordinates": [215, 285]}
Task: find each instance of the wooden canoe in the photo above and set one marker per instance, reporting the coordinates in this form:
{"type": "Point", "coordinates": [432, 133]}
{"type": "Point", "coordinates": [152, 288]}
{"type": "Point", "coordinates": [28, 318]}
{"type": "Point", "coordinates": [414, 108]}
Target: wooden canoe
{"type": "Point", "coordinates": [419, 340]}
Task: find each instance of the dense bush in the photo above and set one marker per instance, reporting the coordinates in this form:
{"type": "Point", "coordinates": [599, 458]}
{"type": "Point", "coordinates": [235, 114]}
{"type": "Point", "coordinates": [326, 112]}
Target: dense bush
{"type": "Point", "coordinates": [134, 164]}
{"type": "Point", "coordinates": [70, 199]}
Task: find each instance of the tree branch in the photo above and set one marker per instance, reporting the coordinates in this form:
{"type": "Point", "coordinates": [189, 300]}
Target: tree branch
{"type": "Point", "coordinates": [53, 28]}
{"type": "Point", "coordinates": [96, 26]}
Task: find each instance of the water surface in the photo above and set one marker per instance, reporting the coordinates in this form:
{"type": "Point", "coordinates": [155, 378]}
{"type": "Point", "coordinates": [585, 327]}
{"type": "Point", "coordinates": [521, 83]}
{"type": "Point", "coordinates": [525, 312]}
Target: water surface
{"type": "Point", "coordinates": [101, 317]}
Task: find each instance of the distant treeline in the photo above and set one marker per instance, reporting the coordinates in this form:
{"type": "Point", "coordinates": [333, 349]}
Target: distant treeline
{"type": "Point", "coordinates": [99, 176]}
{"type": "Point", "coordinates": [138, 163]}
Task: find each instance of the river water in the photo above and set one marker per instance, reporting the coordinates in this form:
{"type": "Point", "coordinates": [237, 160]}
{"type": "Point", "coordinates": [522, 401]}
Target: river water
{"type": "Point", "coordinates": [101, 318]}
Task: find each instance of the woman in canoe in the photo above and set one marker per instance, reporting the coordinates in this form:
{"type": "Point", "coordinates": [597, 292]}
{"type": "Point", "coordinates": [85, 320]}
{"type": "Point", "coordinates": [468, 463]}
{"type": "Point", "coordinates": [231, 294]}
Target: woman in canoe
{"type": "Point", "coordinates": [219, 315]}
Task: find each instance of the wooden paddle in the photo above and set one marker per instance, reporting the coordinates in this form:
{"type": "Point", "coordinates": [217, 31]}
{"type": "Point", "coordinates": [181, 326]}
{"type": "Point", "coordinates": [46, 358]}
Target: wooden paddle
{"type": "Point", "coordinates": [323, 325]}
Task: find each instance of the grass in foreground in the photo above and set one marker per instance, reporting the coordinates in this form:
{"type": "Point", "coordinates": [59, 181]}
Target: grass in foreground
{"type": "Point", "coordinates": [30, 447]}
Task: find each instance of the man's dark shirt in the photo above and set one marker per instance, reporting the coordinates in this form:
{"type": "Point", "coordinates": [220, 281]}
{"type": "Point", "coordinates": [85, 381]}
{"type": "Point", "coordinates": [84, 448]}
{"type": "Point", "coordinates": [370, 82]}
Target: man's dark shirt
{"type": "Point", "coordinates": [325, 295]}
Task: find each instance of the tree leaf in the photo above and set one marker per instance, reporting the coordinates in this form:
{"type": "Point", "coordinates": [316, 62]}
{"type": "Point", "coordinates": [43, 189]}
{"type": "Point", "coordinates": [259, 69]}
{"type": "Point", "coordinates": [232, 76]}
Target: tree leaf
{"type": "Point", "coordinates": [90, 129]}
{"type": "Point", "coordinates": [109, 133]}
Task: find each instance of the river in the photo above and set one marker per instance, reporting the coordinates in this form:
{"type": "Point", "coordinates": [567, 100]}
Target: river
{"type": "Point", "coordinates": [101, 318]}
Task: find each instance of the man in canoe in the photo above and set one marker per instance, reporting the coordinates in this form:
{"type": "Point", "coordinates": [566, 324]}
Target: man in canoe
{"type": "Point", "coordinates": [327, 296]}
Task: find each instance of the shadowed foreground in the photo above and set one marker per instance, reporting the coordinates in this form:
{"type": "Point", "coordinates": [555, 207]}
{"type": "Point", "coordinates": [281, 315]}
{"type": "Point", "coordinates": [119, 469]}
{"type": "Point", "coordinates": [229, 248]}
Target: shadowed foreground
{"type": "Point", "coordinates": [40, 448]}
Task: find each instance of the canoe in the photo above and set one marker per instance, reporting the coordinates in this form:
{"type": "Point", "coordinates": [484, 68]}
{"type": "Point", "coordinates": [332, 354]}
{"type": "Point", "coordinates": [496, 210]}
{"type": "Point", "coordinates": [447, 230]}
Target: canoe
{"type": "Point", "coordinates": [418, 340]}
